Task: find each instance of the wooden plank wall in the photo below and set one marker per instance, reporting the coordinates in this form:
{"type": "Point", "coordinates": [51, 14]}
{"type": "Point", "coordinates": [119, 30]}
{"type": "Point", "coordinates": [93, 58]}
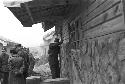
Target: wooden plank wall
{"type": "Point", "coordinates": [101, 12]}
{"type": "Point", "coordinates": [100, 25]}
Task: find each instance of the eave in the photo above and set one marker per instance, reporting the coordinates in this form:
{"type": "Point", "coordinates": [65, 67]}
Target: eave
{"type": "Point", "coordinates": [48, 11]}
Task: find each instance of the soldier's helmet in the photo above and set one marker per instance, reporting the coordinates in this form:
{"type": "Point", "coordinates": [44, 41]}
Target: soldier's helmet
{"type": "Point", "coordinates": [4, 49]}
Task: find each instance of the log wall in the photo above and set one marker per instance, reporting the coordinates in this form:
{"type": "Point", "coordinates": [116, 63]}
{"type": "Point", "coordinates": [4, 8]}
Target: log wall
{"type": "Point", "coordinates": [93, 51]}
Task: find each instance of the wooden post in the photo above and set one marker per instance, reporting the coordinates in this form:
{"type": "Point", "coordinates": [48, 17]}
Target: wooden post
{"type": "Point", "coordinates": [28, 11]}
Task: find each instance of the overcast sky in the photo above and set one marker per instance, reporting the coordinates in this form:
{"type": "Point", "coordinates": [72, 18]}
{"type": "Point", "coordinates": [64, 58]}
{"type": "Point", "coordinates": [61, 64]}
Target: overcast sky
{"type": "Point", "coordinates": [12, 29]}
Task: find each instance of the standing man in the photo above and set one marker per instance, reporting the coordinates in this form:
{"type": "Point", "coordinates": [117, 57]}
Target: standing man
{"type": "Point", "coordinates": [32, 63]}
{"type": "Point", "coordinates": [4, 65]}
{"type": "Point", "coordinates": [54, 50]}
{"type": "Point", "coordinates": [22, 53]}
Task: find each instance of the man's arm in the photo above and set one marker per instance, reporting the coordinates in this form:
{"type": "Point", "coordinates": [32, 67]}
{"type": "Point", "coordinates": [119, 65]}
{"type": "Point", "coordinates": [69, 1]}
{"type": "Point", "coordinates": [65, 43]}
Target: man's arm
{"type": "Point", "coordinates": [60, 42]}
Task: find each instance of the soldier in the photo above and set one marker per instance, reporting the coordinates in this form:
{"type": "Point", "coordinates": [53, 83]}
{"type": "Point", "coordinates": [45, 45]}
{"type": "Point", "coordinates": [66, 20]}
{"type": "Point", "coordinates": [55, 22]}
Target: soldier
{"type": "Point", "coordinates": [32, 63]}
{"type": "Point", "coordinates": [22, 53]}
{"type": "Point", "coordinates": [17, 67]}
{"type": "Point", "coordinates": [54, 50]}
{"type": "Point", "coordinates": [4, 65]}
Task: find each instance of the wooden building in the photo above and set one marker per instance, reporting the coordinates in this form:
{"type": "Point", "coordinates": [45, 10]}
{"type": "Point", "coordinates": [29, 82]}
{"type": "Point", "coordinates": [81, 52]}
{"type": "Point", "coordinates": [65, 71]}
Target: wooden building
{"type": "Point", "coordinates": [93, 51]}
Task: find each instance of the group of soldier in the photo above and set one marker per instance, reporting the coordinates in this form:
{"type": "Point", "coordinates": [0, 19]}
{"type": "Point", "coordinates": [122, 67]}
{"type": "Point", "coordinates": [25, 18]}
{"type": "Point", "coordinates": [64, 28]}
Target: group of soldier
{"type": "Point", "coordinates": [16, 67]}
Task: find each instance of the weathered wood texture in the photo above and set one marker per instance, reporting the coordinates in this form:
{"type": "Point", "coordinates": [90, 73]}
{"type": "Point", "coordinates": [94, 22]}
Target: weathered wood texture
{"type": "Point", "coordinates": [106, 28]}
{"type": "Point", "coordinates": [65, 33]}
{"type": "Point", "coordinates": [97, 8]}
{"type": "Point", "coordinates": [56, 81]}
{"type": "Point", "coordinates": [94, 53]}
{"type": "Point", "coordinates": [98, 61]}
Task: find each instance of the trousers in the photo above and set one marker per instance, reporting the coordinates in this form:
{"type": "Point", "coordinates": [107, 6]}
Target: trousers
{"type": "Point", "coordinates": [54, 67]}
{"type": "Point", "coordinates": [5, 78]}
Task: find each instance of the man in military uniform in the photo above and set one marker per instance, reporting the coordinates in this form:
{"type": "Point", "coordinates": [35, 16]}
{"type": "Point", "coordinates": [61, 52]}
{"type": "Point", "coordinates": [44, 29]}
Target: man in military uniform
{"type": "Point", "coordinates": [4, 65]}
{"type": "Point", "coordinates": [32, 63]}
{"type": "Point", "coordinates": [54, 50]}
{"type": "Point", "coordinates": [24, 54]}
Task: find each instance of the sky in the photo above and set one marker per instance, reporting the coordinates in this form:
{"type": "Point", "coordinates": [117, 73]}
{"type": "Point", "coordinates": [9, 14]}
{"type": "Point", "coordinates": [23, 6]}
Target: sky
{"type": "Point", "coordinates": [11, 28]}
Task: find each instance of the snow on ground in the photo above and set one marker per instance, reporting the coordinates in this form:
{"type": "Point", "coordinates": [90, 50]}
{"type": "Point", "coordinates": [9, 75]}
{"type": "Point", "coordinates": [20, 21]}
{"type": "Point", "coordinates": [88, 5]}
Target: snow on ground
{"type": "Point", "coordinates": [44, 70]}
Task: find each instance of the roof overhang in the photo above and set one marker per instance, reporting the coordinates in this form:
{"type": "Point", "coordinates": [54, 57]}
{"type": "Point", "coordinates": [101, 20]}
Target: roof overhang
{"type": "Point", "coordinates": [49, 12]}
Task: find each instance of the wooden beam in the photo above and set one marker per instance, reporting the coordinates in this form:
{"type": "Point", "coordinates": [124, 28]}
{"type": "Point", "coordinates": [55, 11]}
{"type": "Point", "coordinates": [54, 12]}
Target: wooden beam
{"type": "Point", "coordinates": [93, 11]}
{"type": "Point", "coordinates": [47, 3]}
{"type": "Point", "coordinates": [52, 18]}
{"type": "Point", "coordinates": [43, 3]}
{"type": "Point", "coordinates": [48, 25]}
{"type": "Point", "coordinates": [106, 16]}
{"type": "Point", "coordinates": [28, 11]}
{"type": "Point", "coordinates": [114, 25]}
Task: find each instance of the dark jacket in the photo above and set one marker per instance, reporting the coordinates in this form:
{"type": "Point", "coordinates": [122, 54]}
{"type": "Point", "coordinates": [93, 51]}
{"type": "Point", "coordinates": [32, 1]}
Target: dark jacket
{"type": "Point", "coordinates": [25, 56]}
{"type": "Point", "coordinates": [17, 67]}
{"type": "Point", "coordinates": [54, 48]}
{"type": "Point", "coordinates": [4, 65]}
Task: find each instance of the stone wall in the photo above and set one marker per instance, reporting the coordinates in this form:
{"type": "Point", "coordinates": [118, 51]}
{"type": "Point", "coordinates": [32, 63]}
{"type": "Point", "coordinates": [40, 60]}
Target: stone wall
{"type": "Point", "coordinates": [93, 51]}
